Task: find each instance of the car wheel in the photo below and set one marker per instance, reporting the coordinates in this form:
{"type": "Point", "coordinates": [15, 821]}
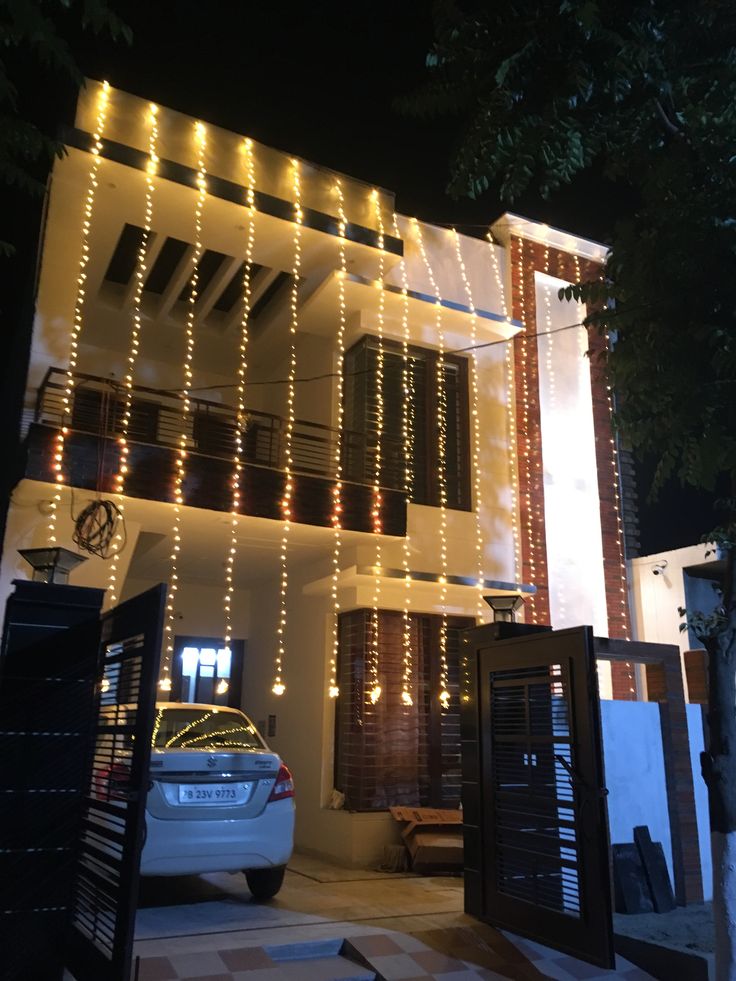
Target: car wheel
{"type": "Point", "coordinates": [265, 883]}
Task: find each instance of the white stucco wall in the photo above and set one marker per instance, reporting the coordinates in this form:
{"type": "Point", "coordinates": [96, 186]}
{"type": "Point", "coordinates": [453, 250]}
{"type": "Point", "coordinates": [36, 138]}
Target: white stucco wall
{"type": "Point", "coordinates": [572, 516]}
{"type": "Point", "coordinates": [657, 597]}
{"type": "Point", "coordinates": [439, 246]}
{"type": "Point", "coordinates": [634, 772]}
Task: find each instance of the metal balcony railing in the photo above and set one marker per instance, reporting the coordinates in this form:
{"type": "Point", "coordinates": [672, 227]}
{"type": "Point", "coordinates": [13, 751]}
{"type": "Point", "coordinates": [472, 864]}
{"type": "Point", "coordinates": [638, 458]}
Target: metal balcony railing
{"type": "Point", "coordinates": [156, 419]}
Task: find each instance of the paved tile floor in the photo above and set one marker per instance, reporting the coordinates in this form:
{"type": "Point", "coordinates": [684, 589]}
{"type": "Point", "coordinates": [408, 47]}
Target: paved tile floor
{"type": "Point", "coordinates": [398, 926]}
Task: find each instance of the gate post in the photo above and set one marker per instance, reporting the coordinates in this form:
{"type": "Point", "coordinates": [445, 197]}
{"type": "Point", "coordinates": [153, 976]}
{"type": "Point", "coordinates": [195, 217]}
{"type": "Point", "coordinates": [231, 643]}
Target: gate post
{"type": "Point", "coordinates": [48, 668]}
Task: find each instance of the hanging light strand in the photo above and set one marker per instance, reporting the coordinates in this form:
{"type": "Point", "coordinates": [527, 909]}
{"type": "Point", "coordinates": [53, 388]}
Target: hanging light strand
{"type": "Point", "coordinates": [526, 449]}
{"type": "Point", "coordinates": [67, 398]}
{"type": "Point", "coordinates": [201, 139]}
{"type": "Point", "coordinates": [333, 690]}
{"type": "Point", "coordinates": [474, 411]}
{"type": "Point", "coordinates": [278, 687]}
{"type": "Point", "coordinates": [407, 433]}
{"type": "Point", "coordinates": [241, 417]}
{"type": "Point", "coordinates": [510, 414]}
{"type": "Point", "coordinates": [135, 333]}
{"type": "Point", "coordinates": [444, 694]}
{"type": "Point", "coordinates": [374, 692]}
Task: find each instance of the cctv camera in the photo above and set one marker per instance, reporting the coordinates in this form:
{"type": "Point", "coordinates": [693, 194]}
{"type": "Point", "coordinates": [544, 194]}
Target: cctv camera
{"type": "Point", "coordinates": [659, 567]}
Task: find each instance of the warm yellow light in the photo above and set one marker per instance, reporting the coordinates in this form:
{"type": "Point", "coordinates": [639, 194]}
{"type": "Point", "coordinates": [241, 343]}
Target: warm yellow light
{"type": "Point", "coordinates": [526, 449]}
{"type": "Point", "coordinates": [68, 393]}
{"type": "Point", "coordinates": [135, 331]}
{"type": "Point", "coordinates": [286, 499]}
{"type": "Point", "coordinates": [441, 458]}
{"type": "Point", "coordinates": [241, 418]}
{"type": "Point", "coordinates": [407, 433]}
{"type": "Point", "coordinates": [337, 460]}
{"type": "Point", "coordinates": [374, 659]}
{"type": "Point", "coordinates": [165, 683]}
{"type": "Point", "coordinates": [278, 688]}
{"type": "Point", "coordinates": [222, 687]}
{"type": "Point", "coordinates": [189, 332]}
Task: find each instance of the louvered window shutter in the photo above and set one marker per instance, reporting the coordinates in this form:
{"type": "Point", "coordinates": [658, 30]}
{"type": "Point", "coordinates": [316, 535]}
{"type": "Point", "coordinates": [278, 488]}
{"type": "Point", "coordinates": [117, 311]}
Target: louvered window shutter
{"type": "Point", "coordinates": [388, 753]}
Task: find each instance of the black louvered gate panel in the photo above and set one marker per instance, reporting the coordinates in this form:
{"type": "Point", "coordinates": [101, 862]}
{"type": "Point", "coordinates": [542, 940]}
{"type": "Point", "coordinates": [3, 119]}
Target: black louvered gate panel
{"type": "Point", "coordinates": [536, 836]}
{"type": "Point", "coordinates": [543, 850]}
{"type": "Point", "coordinates": [103, 913]}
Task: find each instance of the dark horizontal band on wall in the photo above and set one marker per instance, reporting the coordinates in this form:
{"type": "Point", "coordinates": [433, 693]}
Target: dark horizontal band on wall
{"type": "Point", "coordinates": [230, 191]}
{"type": "Point", "coordinates": [208, 482]}
{"type": "Point", "coordinates": [499, 584]}
{"type": "Point", "coordinates": [447, 304]}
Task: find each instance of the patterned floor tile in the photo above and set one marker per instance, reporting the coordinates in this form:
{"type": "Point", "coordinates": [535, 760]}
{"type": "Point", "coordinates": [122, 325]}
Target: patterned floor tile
{"type": "Point", "coordinates": [245, 958]}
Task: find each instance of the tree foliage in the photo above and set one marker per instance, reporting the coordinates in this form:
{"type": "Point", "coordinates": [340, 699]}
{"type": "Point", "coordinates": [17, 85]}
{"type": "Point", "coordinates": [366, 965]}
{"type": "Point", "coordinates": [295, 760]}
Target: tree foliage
{"type": "Point", "coordinates": [645, 91]}
{"type": "Point", "coordinates": [32, 30]}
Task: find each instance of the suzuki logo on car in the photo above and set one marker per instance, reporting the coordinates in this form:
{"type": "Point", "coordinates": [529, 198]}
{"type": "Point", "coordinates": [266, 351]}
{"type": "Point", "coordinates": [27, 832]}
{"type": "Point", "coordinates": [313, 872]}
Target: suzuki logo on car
{"type": "Point", "coordinates": [211, 761]}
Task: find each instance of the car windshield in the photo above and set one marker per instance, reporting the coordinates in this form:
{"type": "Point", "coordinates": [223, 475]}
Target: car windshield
{"type": "Point", "coordinates": [203, 728]}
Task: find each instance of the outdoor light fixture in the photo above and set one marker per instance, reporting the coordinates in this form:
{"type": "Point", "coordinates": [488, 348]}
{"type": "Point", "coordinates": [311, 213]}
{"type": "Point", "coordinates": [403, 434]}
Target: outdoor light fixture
{"type": "Point", "coordinates": [505, 607]}
{"type": "Point", "coordinates": [51, 564]}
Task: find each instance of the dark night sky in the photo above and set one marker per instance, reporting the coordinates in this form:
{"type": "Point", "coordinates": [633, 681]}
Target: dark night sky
{"type": "Point", "coordinates": [319, 80]}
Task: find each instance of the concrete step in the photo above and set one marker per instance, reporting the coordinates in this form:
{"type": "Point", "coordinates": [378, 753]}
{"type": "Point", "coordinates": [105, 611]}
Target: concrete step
{"type": "Point", "coordinates": [317, 960]}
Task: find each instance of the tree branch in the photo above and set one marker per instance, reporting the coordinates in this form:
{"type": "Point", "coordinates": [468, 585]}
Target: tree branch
{"type": "Point", "coordinates": [671, 127]}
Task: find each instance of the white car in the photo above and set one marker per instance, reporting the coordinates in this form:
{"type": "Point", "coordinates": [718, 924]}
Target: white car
{"type": "Point", "coordinates": [219, 799]}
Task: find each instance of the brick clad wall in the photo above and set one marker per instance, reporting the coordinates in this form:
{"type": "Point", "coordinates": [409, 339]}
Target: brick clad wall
{"type": "Point", "coordinates": [696, 672]}
{"type": "Point", "coordinates": [526, 259]}
{"type": "Point", "coordinates": [529, 430]}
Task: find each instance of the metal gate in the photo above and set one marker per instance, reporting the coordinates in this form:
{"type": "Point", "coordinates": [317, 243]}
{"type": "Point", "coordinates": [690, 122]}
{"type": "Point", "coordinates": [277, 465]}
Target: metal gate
{"type": "Point", "coordinates": [542, 842]}
{"type": "Point", "coordinates": [100, 940]}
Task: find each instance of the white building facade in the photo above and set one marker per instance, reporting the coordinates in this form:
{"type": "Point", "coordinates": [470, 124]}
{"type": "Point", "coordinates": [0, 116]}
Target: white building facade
{"type": "Point", "coordinates": [333, 428]}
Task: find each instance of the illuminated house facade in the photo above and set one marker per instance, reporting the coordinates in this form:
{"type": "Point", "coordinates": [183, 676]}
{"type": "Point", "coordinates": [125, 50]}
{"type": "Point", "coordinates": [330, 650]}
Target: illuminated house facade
{"type": "Point", "coordinates": [333, 429]}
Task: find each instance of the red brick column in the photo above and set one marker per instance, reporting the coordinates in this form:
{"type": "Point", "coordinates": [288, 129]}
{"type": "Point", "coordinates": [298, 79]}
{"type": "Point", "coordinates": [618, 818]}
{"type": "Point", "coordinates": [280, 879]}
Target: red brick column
{"type": "Point", "coordinates": [526, 259]}
{"type": "Point", "coordinates": [532, 529]}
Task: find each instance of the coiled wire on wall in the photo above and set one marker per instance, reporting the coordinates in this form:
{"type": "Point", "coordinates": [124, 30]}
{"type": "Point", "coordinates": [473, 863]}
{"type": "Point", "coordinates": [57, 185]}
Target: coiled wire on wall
{"type": "Point", "coordinates": [96, 526]}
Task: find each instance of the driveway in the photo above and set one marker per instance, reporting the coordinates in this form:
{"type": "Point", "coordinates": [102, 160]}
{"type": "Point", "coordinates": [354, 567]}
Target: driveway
{"type": "Point", "coordinates": [400, 925]}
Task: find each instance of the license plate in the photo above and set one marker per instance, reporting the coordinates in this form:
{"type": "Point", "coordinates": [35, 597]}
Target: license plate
{"type": "Point", "coordinates": [214, 793]}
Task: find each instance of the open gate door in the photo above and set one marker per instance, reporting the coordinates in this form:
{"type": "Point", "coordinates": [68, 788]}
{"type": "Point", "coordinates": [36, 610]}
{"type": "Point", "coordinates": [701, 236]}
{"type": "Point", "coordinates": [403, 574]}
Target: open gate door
{"type": "Point", "coordinates": [537, 822]}
{"type": "Point", "coordinates": [100, 943]}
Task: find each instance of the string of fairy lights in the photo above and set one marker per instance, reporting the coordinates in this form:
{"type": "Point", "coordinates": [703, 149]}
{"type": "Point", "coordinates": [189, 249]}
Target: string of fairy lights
{"type": "Point", "coordinates": [200, 132]}
{"type": "Point", "coordinates": [134, 349]}
{"type": "Point", "coordinates": [333, 689]}
{"type": "Point", "coordinates": [444, 694]}
{"type": "Point", "coordinates": [510, 412]}
{"type": "Point", "coordinates": [374, 676]}
{"type": "Point", "coordinates": [526, 446]}
{"type": "Point", "coordinates": [79, 302]}
{"type": "Point", "coordinates": [407, 434]}
{"type": "Point", "coordinates": [278, 687]}
{"type": "Point", "coordinates": [519, 384]}
{"type": "Point", "coordinates": [475, 420]}
{"type": "Point", "coordinates": [241, 415]}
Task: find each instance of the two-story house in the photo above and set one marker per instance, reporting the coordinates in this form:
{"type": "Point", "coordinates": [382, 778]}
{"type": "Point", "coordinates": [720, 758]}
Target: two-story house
{"type": "Point", "coordinates": [332, 429]}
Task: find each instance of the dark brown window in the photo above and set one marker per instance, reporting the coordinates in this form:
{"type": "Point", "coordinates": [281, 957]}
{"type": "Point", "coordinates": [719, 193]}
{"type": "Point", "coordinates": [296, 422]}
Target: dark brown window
{"type": "Point", "coordinates": [361, 421]}
{"type": "Point", "coordinates": [389, 753]}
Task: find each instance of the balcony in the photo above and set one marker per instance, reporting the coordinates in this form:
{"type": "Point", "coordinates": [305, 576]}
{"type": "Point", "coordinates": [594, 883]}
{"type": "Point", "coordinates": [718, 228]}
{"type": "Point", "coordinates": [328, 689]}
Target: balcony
{"type": "Point", "coordinates": [92, 454]}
